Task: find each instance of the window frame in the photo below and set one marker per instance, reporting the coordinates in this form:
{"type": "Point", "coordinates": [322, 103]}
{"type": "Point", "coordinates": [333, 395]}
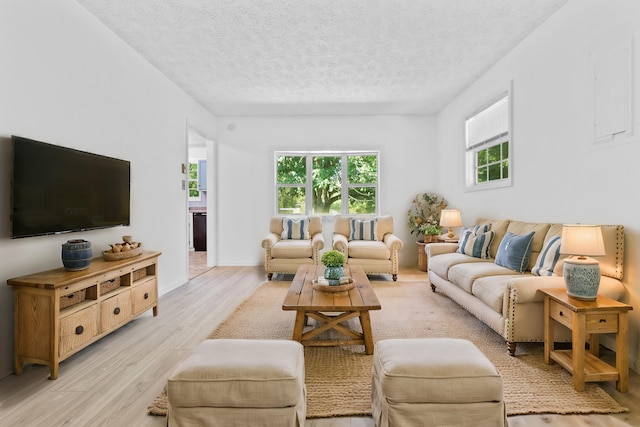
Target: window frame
{"type": "Point", "coordinates": [197, 198]}
{"type": "Point", "coordinates": [473, 149]}
{"type": "Point", "coordinates": [308, 185]}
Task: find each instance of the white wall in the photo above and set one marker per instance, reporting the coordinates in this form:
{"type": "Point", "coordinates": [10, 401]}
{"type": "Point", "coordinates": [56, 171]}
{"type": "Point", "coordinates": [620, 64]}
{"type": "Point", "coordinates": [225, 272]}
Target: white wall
{"type": "Point", "coordinates": [245, 179]}
{"type": "Point", "coordinates": [558, 175]}
{"type": "Point", "coordinates": [67, 80]}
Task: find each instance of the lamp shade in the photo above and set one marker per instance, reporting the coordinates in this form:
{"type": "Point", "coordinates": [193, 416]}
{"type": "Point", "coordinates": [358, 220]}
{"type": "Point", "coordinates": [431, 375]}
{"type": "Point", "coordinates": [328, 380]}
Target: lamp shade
{"type": "Point", "coordinates": [582, 239]}
{"type": "Point", "coordinates": [450, 218]}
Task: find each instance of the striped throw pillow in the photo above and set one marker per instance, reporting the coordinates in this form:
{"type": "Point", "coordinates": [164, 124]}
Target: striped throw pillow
{"type": "Point", "coordinates": [548, 258]}
{"type": "Point", "coordinates": [475, 246]}
{"type": "Point", "coordinates": [363, 229]}
{"type": "Point", "coordinates": [295, 229]}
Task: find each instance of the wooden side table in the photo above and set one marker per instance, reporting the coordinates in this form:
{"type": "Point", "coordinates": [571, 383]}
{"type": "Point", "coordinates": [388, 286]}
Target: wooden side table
{"type": "Point", "coordinates": [422, 255]}
{"type": "Point", "coordinates": [583, 318]}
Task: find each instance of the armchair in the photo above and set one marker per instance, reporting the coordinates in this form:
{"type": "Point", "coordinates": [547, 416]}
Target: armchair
{"type": "Point", "coordinates": [369, 243]}
{"type": "Point", "coordinates": [285, 252]}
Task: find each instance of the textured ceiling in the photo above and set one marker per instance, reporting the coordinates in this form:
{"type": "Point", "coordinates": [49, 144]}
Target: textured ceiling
{"type": "Point", "coordinates": [249, 57]}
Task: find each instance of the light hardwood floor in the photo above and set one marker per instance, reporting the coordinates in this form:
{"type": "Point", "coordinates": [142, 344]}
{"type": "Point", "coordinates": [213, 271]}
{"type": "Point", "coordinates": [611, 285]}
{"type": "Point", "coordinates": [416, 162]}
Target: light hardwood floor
{"type": "Point", "coordinates": [111, 382]}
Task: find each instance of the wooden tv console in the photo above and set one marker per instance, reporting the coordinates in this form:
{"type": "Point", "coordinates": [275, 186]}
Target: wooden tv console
{"type": "Point", "coordinates": [47, 331]}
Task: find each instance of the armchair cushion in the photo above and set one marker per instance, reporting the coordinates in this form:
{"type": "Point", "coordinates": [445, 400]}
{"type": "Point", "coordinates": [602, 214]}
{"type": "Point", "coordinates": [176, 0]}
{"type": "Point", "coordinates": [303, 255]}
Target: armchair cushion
{"type": "Point", "coordinates": [292, 249]}
{"type": "Point", "coordinates": [368, 249]}
{"type": "Point", "coordinates": [295, 229]}
{"type": "Point", "coordinates": [363, 229]}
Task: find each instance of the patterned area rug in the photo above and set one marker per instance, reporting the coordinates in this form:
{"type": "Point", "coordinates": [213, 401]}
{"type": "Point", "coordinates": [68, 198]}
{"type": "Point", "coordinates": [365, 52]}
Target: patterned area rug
{"type": "Point", "coordinates": [338, 379]}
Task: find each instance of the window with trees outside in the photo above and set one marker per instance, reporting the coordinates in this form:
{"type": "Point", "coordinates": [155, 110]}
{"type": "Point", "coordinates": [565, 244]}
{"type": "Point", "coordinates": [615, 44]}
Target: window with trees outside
{"type": "Point", "coordinates": [487, 134]}
{"type": "Point", "coordinates": [327, 183]}
{"type": "Point", "coordinates": [194, 192]}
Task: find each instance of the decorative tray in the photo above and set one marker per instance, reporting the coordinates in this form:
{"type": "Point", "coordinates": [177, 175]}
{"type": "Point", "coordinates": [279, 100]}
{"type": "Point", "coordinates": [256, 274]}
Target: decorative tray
{"type": "Point", "coordinates": [324, 285]}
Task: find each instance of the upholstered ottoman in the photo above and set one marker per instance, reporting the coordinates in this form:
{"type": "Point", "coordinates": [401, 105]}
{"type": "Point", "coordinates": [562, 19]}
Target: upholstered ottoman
{"type": "Point", "coordinates": [228, 382]}
{"type": "Point", "coordinates": [435, 382]}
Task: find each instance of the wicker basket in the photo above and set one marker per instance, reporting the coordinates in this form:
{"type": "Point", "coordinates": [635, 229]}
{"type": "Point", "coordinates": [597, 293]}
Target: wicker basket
{"type": "Point", "coordinates": [109, 285]}
{"type": "Point", "coordinates": [139, 274]}
{"type": "Point", "coordinates": [122, 255]}
{"type": "Point", "coordinates": [72, 299]}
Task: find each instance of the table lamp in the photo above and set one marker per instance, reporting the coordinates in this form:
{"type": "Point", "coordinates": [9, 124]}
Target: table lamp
{"type": "Point", "coordinates": [450, 218]}
{"type": "Point", "coordinates": [581, 273]}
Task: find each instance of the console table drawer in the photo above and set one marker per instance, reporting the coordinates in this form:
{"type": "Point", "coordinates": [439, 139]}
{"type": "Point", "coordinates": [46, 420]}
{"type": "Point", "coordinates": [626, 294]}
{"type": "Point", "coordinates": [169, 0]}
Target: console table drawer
{"type": "Point", "coordinates": [145, 295]}
{"type": "Point", "coordinates": [78, 329]}
{"type": "Point", "coordinates": [115, 310]}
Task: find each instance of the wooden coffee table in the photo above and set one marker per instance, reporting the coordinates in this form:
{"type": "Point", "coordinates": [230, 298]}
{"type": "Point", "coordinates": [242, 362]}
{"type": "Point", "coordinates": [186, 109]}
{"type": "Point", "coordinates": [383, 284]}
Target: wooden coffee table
{"type": "Point", "coordinates": [330, 309]}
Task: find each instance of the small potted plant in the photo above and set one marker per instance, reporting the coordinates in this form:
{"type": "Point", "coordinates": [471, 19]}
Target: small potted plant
{"type": "Point", "coordinates": [431, 232]}
{"type": "Point", "coordinates": [333, 261]}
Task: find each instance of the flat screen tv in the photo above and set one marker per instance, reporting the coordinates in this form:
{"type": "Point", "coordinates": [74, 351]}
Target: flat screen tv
{"type": "Point", "coordinates": [59, 190]}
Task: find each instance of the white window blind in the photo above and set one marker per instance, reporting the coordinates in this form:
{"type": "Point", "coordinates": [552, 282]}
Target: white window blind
{"type": "Point", "coordinates": [488, 124]}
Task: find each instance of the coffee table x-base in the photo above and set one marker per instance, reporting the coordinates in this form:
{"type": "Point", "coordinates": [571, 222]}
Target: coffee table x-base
{"type": "Point", "coordinates": [331, 309]}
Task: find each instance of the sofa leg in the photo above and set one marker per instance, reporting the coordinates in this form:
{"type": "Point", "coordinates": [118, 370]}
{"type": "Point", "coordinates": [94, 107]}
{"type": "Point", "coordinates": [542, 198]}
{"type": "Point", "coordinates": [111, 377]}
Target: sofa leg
{"type": "Point", "coordinates": [269, 276]}
{"type": "Point", "coordinates": [511, 348]}
{"type": "Point", "coordinates": [433, 287]}
{"type": "Point", "coordinates": [395, 277]}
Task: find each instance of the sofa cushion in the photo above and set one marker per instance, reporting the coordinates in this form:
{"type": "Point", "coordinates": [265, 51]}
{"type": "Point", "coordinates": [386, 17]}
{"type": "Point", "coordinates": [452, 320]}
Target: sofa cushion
{"type": "Point", "coordinates": [440, 264]}
{"type": "Point", "coordinates": [514, 251]}
{"type": "Point", "coordinates": [368, 249]}
{"type": "Point", "coordinates": [363, 229]}
{"type": "Point", "coordinates": [548, 257]}
{"type": "Point", "coordinates": [463, 275]}
{"type": "Point", "coordinates": [295, 228]}
{"type": "Point", "coordinates": [476, 245]}
{"type": "Point", "coordinates": [492, 290]}
{"type": "Point", "coordinates": [292, 249]}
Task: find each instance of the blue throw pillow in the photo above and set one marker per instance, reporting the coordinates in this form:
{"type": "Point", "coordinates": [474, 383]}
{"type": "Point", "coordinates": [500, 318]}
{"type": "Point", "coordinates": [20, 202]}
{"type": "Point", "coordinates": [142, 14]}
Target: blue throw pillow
{"type": "Point", "coordinates": [514, 251]}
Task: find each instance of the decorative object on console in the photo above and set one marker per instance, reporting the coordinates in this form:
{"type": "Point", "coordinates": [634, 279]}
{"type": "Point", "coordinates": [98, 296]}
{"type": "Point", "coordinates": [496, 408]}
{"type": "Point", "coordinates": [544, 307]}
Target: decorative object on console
{"type": "Point", "coordinates": [450, 218]}
{"type": "Point", "coordinates": [581, 273]}
{"type": "Point", "coordinates": [123, 250]}
{"type": "Point", "coordinates": [333, 261]}
{"type": "Point", "coordinates": [76, 255]}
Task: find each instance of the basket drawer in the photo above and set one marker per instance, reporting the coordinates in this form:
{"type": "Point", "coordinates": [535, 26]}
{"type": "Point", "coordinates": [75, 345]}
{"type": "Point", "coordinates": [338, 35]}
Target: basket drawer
{"type": "Point", "coordinates": [72, 298]}
{"type": "Point", "coordinates": [109, 285]}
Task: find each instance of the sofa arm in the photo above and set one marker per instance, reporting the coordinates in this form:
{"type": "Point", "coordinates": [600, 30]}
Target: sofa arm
{"type": "Point", "coordinates": [433, 249]}
{"type": "Point", "coordinates": [317, 241]}
{"type": "Point", "coordinates": [340, 243]}
{"type": "Point", "coordinates": [393, 242]}
{"type": "Point", "coordinates": [270, 240]}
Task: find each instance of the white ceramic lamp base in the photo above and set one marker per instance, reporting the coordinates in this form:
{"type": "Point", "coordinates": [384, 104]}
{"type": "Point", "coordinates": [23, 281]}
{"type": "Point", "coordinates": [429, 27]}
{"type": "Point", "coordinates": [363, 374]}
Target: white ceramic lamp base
{"type": "Point", "coordinates": [582, 277]}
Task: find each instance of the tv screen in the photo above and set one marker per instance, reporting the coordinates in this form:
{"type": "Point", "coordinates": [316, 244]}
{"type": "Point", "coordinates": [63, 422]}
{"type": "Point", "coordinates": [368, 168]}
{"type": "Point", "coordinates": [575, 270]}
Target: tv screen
{"type": "Point", "coordinates": [59, 190]}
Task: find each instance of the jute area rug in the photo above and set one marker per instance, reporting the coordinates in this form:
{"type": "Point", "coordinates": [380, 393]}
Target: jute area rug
{"type": "Point", "coordinates": [338, 379]}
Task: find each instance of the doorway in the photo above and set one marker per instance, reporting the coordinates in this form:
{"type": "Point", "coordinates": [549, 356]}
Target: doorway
{"type": "Point", "coordinates": [201, 204]}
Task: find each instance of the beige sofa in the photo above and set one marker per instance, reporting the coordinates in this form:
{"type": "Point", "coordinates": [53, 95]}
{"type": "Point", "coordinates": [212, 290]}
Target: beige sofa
{"type": "Point", "coordinates": [508, 301]}
{"type": "Point", "coordinates": [283, 255]}
{"type": "Point", "coordinates": [379, 256]}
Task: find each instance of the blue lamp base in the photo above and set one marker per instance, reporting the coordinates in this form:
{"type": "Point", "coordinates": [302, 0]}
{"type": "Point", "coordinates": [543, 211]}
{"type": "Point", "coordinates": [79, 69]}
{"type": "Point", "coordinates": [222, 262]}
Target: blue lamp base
{"type": "Point", "coordinates": [582, 278]}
